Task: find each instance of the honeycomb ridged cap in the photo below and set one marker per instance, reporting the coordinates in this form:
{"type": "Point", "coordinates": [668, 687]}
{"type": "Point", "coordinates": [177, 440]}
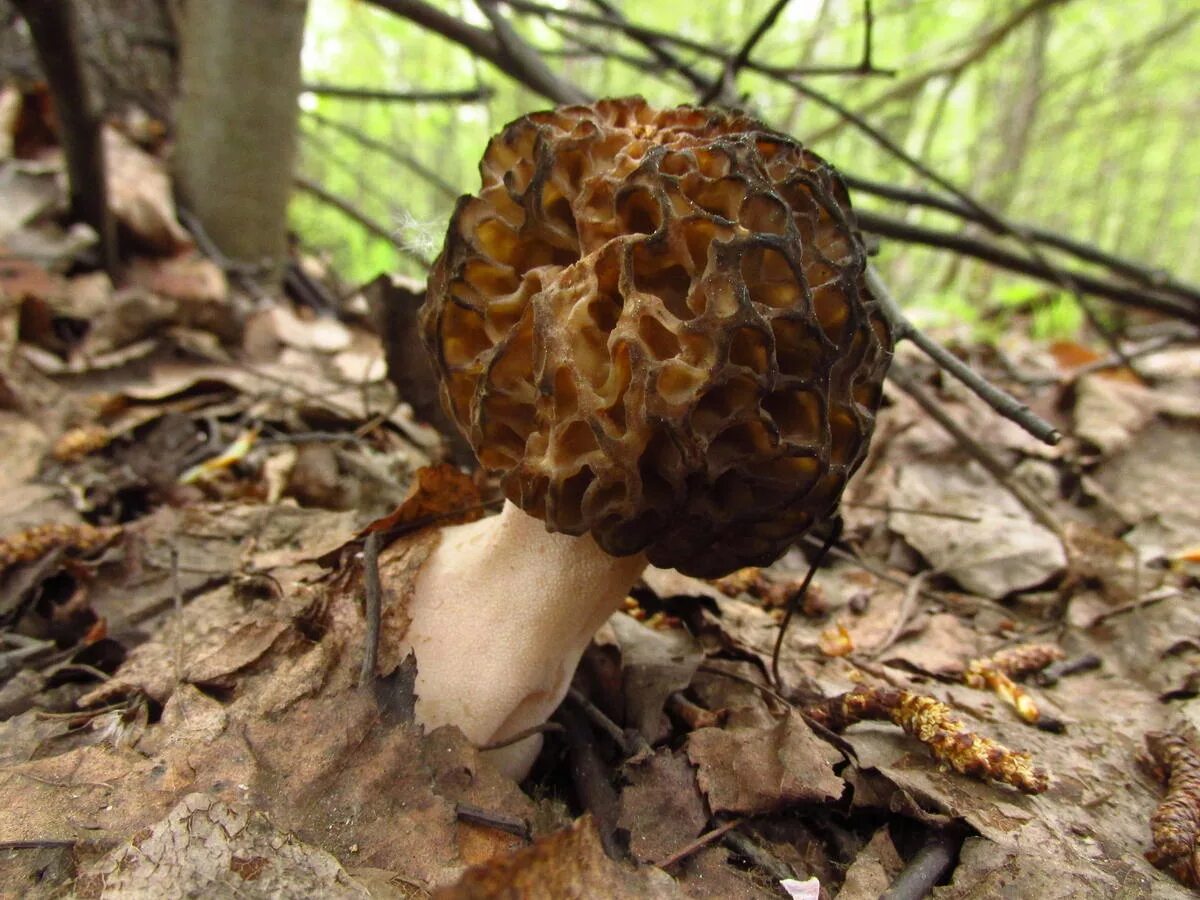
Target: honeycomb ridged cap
{"type": "Point", "coordinates": [654, 326]}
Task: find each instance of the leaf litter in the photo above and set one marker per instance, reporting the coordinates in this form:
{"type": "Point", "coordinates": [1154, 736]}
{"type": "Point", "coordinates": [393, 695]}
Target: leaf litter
{"type": "Point", "coordinates": [182, 706]}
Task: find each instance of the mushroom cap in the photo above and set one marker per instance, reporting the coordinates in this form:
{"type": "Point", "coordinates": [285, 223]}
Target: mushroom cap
{"type": "Point", "coordinates": [654, 326]}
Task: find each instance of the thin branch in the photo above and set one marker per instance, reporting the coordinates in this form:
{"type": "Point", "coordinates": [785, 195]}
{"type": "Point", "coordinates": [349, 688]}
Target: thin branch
{"type": "Point", "coordinates": [391, 151]}
{"type": "Point", "coordinates": [699, 843]}
{"type": "Point", "coordinates": [1147, 277]}
{"type": "Point", "coordinates": [533, 70]}
{"type": "Point", "coordinates": [480, 94]}
{"type": "Point", "coordinates": [56, 38]}
{"type": "Point", "coordinates": [794, 600]}
{"type": "Point", "coordinates": [913, 85]}
{"type": "Point", "coordinates": [699, 82]}
{"type": "Point", "coordinates": [742, 57]}
{"type": "Point", "coordinates": [1005, 404]}
{"type": "Point", "coordinates": [1129, 295]}
{"type": "Point", "coordinates": [353, 213]}
{"type": "Point", "coordinates": [901, 377]}
{"type": "Point", "coordinates": [373, 607]}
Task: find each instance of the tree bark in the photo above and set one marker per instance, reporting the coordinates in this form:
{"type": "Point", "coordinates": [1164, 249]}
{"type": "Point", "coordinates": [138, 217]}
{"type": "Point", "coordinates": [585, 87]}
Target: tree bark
{"type": "Point", "coordinates": [236, 123]}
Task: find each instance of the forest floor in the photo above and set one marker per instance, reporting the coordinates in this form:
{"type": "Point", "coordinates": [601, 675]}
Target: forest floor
{"type": "Point", "coordinates": [186, 479]}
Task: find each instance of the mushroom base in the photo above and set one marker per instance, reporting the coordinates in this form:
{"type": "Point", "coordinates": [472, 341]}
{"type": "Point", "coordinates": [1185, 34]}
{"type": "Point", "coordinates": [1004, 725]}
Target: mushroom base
{"type": "Point", "coordinates": [501, 613]}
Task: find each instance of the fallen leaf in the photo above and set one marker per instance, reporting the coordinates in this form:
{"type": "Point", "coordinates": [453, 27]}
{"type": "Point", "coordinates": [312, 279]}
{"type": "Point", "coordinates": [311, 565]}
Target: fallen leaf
{"type": "Point", "coordinates": [654, 665]}
{"type": "Point", "coordinates": [1003, 552]}
{"type": "Point", "coordinates": [205, 847]}
{"type": "Point", "coordinates": [569, 863]}
{"type": "Point", "coordinates": [753, 771]}
{"type": "Point", "coordinates": [661, 806]}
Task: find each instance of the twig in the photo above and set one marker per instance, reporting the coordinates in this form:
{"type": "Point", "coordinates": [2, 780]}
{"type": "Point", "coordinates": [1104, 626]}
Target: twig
{"type": "Point", "coordinates": [1051, 675]}
{"type": "Point", "coordinates": [55, 35]}
{"type": "Point", "coordinates": [1151, 278]}
{"type": "Point", "coordinates": [630, 742]}
{"type": "Point", "coordinates": [177, 608]}
{"type": "Point", "coordinates": [981, 454]}
{"type": "Point", "coordinates": [734, 676]}
{"type": "Point", "coordinates": [352, 212]}
{"type": "Point", "coordinates": [903, 615]}
{"type": "Point", "coordinates": [1129, 295]}
{"type": "Point", "coordinates": [479, 94]}
{"type": "Point", "coordinates": [488, 818]}
{"type": "Point", "coordinates": [543, 728]}
{"type": "Point", "coordinates": [526, 60]}
{"type": "Point", "coordinates": [699, 843]}
{"type": "Point", "coordinates": [591, 777]}
{"type": "Point", "coordinates": [746, 847]}
{"type": "Point", "coordinates": [373, 607]}
{"type": "Point", "coordinates": [835, 532]}
{"type": "Point", "coordinates": [926, 869]}
{"type": "Point", "coordinates": [407, 160]}
{"type": "Point", "coordinates": [1008, 406]}
{"type": "Point", "coordinates": [906, 510]}
{"type": "Point", "coordinates": [742, 57]}
{"type": "Point", "coordinates": [44, 844]}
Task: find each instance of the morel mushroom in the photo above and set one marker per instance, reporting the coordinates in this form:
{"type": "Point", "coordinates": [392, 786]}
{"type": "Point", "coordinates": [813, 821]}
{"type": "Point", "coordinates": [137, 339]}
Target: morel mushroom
{"type": "Point", "coordinates": [654, 327]}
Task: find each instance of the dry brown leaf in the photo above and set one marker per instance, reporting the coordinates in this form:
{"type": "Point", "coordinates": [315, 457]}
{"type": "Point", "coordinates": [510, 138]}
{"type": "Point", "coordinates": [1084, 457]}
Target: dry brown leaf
{"type": "Point", "coordinates": [654, 665]}
{"type": "Point", "coordinates": [753, 771]}
{"type": "Point", "coordinates": [139, 193]}
{"type": "Point", "coordinates": [441, 495]}
{"type": "Point", "coordinates": [569, 863]}
{"type": "Point", "coordinates": [1005, 551]}
{"type": "Point", "coordinates": [205, 847]}
{"type": "Point", "coordinates": [873, 870]}
{"type": "Point", "coordinates": [661, 806]}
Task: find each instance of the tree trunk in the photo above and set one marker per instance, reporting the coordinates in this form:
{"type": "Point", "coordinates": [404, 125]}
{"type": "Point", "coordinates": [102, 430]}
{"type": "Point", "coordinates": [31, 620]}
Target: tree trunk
{"type": "Point", "coordinates": [236, 123]}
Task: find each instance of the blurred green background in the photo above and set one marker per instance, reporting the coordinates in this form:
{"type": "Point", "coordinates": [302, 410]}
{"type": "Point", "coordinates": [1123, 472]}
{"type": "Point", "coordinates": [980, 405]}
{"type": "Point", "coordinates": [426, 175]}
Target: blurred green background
{"type": "Point", "coordinates": [1074, 116]}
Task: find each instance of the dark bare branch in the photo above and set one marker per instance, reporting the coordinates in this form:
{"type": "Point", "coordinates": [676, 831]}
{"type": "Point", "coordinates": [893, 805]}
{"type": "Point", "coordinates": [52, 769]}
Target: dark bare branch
{"type": "Point", "coordinates": [1129, 295]}
{"type": "Point", "coordinates": [55, 36]}
{"type": "Point", "coordinates": [352, 212]}
{"type": "Point", "coordinates": [392, 151]}
{"type": "Point", "coordinates": [1147, 277]}
{"type": "Point", "coordinates": [742, 57]}
{"type": "Point", "coordinates": [533, 70]}
{"type": "Point", "coordinates": [480, 94]}
{"type": "Point", "coordinates": [1008, 406]}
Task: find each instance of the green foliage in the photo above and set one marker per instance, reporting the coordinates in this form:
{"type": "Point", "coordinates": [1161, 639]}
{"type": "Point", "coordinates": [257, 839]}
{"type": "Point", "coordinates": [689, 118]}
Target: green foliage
{"type": "Point", "coordinates": [1076, 116]}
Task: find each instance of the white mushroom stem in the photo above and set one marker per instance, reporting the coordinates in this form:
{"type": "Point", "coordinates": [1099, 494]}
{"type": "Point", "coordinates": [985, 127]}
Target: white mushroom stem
{"type": "Point", "coordinates": [501, 613]}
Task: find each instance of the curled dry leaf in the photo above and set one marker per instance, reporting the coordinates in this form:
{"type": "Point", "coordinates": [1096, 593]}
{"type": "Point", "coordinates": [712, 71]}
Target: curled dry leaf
{"type": "Point", "coordinates": [139, 193]}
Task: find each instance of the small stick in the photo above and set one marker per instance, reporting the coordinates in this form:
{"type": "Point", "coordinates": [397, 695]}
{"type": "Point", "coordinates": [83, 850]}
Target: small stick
{"type": "Point", "coordinates": [794, 600]}
{"type": "Point", "coordinates": [544, 728]}
{"type": "Point", "coordinates": [177, 606]}
{"type": "Point", "coordinates": [699, 843]}
{"type": "Point", "coordinates": [745, 846]}
{"type": "Point", "coordinates": [907, 606]}
{"type": "Point", "coordinates": [1003, 403]}
{"type": "Point", "coordinates": [630, 746]}
{"type": "Point", "coordinates": [477, 815]}
{"type": "Point", "coordinates": [591, 777]}
{"type": "Point", "coordinates": [373, 599]}
{"type": "Point", "coordinates": [980, 453]}
{"type": "Point", "coordinates": [1050, 675]}
{"type": "Point", "coordinates": [44, 844]}
{"type": "Point", "coordinates": [926, 868]}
